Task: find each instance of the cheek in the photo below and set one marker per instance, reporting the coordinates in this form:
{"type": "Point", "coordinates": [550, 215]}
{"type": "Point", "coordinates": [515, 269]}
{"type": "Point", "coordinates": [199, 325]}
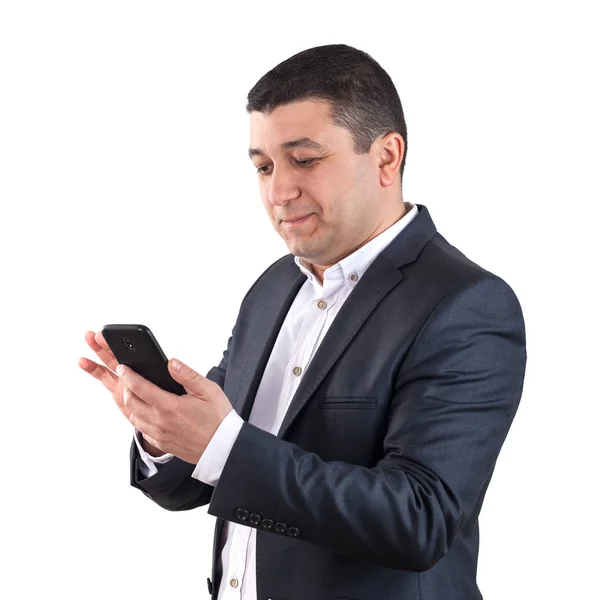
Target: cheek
{"type": "Point", "coordinates": [326, 192]}
{"type": "Point", "coordinates": [266, 204]}
{"type": "Point", "coordinates": [346, 216]}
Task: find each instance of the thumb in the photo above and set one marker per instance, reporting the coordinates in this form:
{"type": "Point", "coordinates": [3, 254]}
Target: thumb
{"type": "Point", "coordinates": [193, 382]}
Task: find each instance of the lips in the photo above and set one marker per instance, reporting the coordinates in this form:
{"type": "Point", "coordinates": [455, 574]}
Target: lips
{"type": "Point", "coordinates": [292, 219]}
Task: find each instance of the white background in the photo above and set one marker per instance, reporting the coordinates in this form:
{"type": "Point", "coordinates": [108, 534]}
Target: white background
{"type": "Point", "coordinates": [127, 196]}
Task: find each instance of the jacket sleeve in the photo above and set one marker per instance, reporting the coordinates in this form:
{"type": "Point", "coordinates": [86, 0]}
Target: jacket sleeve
{"type": "Point", "coordinates": [148, 465]}
{"type": "Point", "coordinates": [455, 396]}
{"type": "Point", "coordinates": [173, 487]}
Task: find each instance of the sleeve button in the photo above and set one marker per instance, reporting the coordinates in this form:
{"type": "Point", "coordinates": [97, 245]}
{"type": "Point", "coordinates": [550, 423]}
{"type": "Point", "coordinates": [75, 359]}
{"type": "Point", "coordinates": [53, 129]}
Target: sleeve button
{"type": "Point", "coordinates": [280, 527]}
{"type": "Point", "coordinates": [267, 523]}
{"type": "Point", "coordinates": [293, 531]}
{"type": "Point", "coordinates": [241, 514]}
{"type": "Point", "coordinates": [254, 519]}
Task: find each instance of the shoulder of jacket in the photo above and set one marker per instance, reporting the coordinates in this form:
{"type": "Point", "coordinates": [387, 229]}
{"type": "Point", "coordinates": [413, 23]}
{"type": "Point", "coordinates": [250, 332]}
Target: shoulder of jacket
{"type": "Point", "coordinates": [273, 271]}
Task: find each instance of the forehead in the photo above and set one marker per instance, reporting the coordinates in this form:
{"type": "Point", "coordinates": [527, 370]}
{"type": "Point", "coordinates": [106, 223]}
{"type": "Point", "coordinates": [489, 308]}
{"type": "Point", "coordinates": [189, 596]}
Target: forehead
{"type": "Point", "coordinates": [307, 119]}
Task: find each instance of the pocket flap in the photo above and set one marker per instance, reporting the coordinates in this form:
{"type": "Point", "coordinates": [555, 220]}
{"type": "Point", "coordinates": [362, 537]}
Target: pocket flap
{"type": "Point", "coordinates": [347, 402]}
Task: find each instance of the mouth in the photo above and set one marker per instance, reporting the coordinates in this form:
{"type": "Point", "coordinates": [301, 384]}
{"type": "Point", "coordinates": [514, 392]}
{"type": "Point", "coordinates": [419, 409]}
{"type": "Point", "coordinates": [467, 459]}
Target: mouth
{"type": "Point", "coordinates": [298, 221]}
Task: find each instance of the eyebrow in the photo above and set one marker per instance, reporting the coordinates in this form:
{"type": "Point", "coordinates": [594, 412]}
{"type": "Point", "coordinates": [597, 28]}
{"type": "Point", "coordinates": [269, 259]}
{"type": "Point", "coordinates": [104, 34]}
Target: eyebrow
{"type": "Point", "coordinates": [303, 142]}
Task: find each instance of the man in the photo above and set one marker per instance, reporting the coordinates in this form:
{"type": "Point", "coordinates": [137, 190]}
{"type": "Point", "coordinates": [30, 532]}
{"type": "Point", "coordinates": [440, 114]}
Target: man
{"type": "Point", "coordinates": [346, 440]}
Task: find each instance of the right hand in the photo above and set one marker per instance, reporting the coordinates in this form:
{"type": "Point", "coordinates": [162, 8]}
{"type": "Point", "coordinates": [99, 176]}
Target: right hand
{"type": "Point", "coordinates": [111, 381]}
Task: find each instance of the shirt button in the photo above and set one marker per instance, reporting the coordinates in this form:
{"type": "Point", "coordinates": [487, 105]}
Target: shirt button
{"type": "Point", "coordinates": [354, 277]}
{"type": "Point", "coordinates": [233, 582]}
{"type": "Point", "coordinates": [322, 304]}
{"type": "Point", "coordinates": [297, 370]}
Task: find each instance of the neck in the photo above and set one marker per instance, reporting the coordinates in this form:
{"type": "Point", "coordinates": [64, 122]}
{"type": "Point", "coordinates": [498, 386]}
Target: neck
{"type": "Point", "coordinates": [318, 270]}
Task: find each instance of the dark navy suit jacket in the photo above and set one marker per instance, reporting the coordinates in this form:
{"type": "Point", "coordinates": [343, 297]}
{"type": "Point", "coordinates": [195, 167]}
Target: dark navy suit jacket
{"type": "Point", "coordinates": [373, 485]}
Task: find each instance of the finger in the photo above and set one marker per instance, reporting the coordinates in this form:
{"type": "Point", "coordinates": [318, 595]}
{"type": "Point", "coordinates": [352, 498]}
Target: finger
{"type": "Point", "coordinates": [192, 381]}
{"type": "Point", "coordinates": [141, 409]}
{"type": "Point", "coordinates": [148, 430]}
{"type": "Point", "coordinates": [100, 372]}
{"type": "Point", "coordinates": [146, 390]}
{"type": "Point", "coordinates": [98, 344]}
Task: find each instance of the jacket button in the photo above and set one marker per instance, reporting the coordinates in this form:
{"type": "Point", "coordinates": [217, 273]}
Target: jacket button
{"type": "Point", "coordinates": [280, 527]}
{"type": "Point", "coordinates": [267, 523]}
{"type": "Point", "coordinates": [254, 519]}
{"type": "Point", "coordinates": [293, 531]}
{"type": "Point", "coordinates": [241, 514]}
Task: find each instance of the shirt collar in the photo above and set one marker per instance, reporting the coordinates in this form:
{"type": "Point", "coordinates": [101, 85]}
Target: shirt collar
{"type": "Point", "coordinates": [354, 265]}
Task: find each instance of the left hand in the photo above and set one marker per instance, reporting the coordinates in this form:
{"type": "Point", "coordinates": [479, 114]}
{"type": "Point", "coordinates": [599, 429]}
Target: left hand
{"type": "Point", "coordinates": [180, 425]}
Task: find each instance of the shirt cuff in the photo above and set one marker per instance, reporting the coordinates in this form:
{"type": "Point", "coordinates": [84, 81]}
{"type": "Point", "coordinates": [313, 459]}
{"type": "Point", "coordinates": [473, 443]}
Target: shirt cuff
{"type": "Point", "coordinates": [212, 462]}
{"type": "Point", "coordinates": [149, 460]}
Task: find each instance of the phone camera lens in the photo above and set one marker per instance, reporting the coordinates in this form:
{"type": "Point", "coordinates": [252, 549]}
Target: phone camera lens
{"type": "Point", "coordinates": [128, 343]}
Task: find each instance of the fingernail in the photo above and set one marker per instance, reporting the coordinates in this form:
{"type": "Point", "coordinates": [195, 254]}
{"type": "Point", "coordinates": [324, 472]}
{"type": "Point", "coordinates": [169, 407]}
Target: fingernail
{"type": "Point", "coordinates": [175, 364]}
{"type": "Point", "coordinates": [119, 369]}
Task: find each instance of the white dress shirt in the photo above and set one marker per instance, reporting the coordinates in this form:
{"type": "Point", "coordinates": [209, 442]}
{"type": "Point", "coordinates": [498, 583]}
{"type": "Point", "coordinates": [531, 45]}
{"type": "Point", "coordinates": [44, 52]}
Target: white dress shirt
{"type": "Point", "coordinates": [308, 319]}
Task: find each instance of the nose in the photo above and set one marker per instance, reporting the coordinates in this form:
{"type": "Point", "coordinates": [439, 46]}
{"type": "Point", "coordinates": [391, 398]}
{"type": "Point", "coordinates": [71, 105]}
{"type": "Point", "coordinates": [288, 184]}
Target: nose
{"type": "Point", "coordinates": [282, 186]}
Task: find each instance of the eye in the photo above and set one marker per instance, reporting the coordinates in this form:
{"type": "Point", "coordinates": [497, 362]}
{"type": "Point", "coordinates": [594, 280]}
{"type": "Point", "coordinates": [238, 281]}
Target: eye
{"type": "Point", "coordinates": [307, 162]}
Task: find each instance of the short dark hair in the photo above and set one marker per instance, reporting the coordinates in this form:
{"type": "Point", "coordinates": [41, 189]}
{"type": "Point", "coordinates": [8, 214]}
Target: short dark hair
{"type": "Point", "coordinates": [362, 96]}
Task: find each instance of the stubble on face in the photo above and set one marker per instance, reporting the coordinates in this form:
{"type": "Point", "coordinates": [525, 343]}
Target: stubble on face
{"type": "Point", "coordinates": [340, 188]}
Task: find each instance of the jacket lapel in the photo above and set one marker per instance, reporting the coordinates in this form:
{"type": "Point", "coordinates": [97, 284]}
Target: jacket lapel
{"type": "Point", "coordinates": [378, 280]}
{"type": "Point", "coordinates": [263, 331]}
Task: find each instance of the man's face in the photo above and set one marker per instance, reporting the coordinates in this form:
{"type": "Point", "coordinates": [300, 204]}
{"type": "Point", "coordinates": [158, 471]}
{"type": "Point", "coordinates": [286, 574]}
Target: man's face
{"type": "Point", "coordinates": [338, 188]}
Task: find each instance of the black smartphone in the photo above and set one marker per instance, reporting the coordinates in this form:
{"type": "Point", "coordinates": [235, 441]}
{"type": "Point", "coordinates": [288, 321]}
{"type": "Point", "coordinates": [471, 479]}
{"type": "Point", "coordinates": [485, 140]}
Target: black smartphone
{"type": "Point", "coordinates": [136, 347]}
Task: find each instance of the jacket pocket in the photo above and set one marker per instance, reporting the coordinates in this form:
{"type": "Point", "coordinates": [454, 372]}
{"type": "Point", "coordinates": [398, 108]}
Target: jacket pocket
{"type": "Point", "coordinates": [358, 402]}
